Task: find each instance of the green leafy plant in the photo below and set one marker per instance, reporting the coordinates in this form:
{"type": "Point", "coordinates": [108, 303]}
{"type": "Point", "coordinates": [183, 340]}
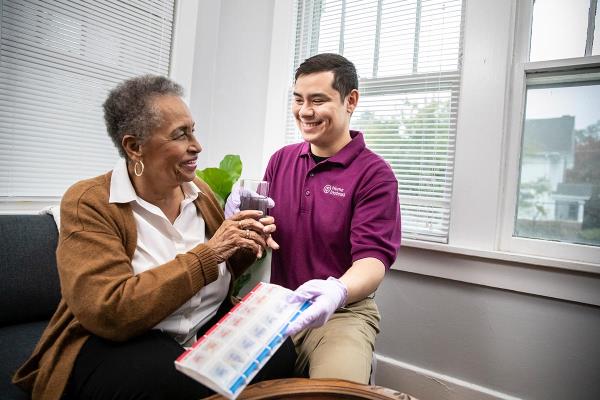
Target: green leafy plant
{"type": "Point", "coordinates": [221, 181]}
{"type": "Point", "coordinates": [222, 178]}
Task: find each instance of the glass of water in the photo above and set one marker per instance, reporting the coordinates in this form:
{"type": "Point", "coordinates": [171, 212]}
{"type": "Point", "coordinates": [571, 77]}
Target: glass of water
{"type": "Point", "coordinates": [254, 195]}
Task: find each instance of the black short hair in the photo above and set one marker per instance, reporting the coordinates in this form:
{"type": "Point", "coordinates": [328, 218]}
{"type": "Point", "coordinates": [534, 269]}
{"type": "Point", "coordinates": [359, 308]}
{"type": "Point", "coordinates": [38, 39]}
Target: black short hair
{"type": "Point", "coordinates": [345, 78]}
{"type": "Point", "coordinates": [128, 110]}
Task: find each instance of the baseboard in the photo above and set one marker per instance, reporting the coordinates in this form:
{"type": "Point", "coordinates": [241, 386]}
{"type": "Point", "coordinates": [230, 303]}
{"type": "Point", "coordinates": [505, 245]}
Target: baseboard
{"type": "Point", "coordinates": [425, 384]}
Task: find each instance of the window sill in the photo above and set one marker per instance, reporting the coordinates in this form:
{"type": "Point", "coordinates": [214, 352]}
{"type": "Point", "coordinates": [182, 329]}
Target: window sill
{"type": "Point", "coordinates": [26, 205]}
{"type": "Point", "coordinates": [506, 256]}
{"type": "Point", "coordinates": [558, 279]}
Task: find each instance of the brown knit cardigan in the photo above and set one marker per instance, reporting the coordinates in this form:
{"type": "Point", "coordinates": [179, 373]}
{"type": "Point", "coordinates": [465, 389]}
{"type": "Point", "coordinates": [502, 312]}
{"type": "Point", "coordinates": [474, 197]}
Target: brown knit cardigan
{"type": "Point", "coordinates": [100, 293]}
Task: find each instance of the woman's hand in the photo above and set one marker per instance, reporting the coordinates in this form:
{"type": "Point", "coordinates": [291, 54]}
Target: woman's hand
{"type": "Point", "coordinates": [243, 230]}
{"type": "Point", "coordinates": [269, 223]}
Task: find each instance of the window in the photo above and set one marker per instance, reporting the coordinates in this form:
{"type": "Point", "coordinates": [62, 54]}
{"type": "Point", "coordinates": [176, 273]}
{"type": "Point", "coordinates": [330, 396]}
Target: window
{"type": "Point", "coordinates": [58, 60]}
{"type": "Point", "coordinates": [556, 205]}
{"type": "Point", "coordinates": [408, 57]}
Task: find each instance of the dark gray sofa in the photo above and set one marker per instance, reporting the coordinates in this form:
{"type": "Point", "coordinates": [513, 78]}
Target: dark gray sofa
{"type": "Point", "coordinates": [29, 290]}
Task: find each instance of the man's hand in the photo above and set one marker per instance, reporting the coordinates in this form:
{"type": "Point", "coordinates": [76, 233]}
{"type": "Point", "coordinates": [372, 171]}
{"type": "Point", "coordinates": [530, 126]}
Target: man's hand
{"type": "Point", "coordinates": [326, 295]}
{"type": "Point", "coordinates": [232, 206]}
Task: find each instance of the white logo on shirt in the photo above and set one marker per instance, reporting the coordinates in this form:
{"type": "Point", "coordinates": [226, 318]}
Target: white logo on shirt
{"type": "Point", "coordinates": [334, 191]}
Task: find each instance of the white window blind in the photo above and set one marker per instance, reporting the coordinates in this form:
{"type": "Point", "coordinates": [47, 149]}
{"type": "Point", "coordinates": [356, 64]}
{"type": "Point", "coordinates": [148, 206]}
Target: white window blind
{"type": "Point", "coordinates": [408, 57]}
{"type": "Point", "coordinates": [58, 60]}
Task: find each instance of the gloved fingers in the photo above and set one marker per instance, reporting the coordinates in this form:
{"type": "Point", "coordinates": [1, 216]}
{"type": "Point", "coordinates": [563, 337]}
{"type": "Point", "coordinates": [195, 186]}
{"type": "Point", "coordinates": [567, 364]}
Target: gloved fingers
{"type": "Point", "coordinates": [298, 297]}
{"type": "Point", "coordinates": [251, 193]}
{"type": "Point", "coordinates": [262, 192]}
{"type": "Point", "coordinates": [231, 209]}
{"type": "Point", "coordinates": [309, 286]}
{"type": "Point", "coordinates": [310, 292]}
{"type": "Point", "coordinates": [303, 295]}
{"type": "Point", "coordinates": [300, 323]}
{"type": "Point", "coordinates": [331, 287]}
{"type": "Point", "coordinates": [293, 328]}
{"type": "Point", "coordinates": [234, 202]}
{"type": "Point", "coordinates": [310, 318]}
{"type": "Point", "coordinates": [232, 205]}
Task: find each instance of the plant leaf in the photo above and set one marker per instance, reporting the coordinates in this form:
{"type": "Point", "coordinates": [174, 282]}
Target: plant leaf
{"type": "Point", "coordinates": [219, 181]}
{"type": "Point", "coordinates": [232, 164]}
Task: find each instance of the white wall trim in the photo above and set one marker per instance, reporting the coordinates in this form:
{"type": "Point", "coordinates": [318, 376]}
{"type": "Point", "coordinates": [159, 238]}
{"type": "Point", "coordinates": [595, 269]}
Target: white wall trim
{"type": "Point", "coordinates": [426, 384]}
{"type": "Point", "coordinates": [555, 283]}
{"type": "Point", "coordinates": [184, 44]}
{"type": "Point", "coordinates": [280, 67]}
{"type": "Point", "coordinates": [562, 64]}
{"type": "Point", "coordinates": [204, 75]}
{"type": "Point", "coordinates": [477, 163]}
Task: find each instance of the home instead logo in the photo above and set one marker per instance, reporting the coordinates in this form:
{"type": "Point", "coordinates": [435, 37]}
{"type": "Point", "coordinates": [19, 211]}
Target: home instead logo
{"type": "Point", "coordinates": [334, 191]}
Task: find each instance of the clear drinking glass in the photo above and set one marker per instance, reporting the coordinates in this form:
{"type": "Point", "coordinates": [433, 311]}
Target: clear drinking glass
{"type": "Point", "coordinates": [254, 195]}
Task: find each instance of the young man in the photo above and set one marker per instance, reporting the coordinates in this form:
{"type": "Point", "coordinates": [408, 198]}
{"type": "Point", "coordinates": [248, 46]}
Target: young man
{"type": "Point", "coordinates": [338, 223]}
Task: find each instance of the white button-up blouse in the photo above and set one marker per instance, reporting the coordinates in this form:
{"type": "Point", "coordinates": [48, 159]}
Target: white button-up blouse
{"type": "Point", "coordinates": [159, 241]}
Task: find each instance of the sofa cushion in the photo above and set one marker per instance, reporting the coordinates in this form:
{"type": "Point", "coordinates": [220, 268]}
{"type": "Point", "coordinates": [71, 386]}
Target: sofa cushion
{"type": "Point", "coordinates": [29, 285]}
{"type": "Point", "coordinates": [16, 345]}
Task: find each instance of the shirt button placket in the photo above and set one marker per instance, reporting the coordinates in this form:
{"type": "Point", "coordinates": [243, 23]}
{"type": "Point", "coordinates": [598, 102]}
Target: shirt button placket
{"type": "Point", "coordinates": [305, 202]}
{"type": "Point", "coordinates": [307, 190]}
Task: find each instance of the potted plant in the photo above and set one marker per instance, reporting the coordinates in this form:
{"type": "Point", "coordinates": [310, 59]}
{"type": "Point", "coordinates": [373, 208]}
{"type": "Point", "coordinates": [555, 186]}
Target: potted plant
{"type": "Point", "coordinates": [221, 180]}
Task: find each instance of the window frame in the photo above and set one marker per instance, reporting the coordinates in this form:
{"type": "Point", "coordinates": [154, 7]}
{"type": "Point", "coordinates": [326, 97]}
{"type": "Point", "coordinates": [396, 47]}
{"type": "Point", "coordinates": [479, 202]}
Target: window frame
{"type": "Point", "coordinates": [585, 257]}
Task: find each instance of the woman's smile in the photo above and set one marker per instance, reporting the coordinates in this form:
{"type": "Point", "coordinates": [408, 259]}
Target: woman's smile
{"type": "Point", "coordinates": [190, 165]}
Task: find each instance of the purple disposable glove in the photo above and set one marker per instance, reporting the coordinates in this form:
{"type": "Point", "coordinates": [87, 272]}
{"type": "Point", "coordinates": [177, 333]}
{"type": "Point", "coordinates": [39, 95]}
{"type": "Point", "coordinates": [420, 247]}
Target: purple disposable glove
{"type": "Point", "coordinates": [327, 296]}
{"type": "Point", "coordinates": [232, 206]}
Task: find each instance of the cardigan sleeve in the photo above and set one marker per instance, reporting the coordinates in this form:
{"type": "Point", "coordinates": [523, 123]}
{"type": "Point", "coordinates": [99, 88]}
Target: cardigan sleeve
{"type": "Point", "coordinates": [97, 280]}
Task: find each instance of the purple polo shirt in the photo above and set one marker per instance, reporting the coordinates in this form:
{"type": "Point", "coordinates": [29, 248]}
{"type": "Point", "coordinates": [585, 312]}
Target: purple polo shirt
{"type": "Point", "coordinates": [331, 214]}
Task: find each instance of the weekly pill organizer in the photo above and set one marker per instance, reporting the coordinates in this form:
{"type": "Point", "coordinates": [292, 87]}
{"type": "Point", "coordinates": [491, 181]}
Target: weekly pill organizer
{"type": "Point", "coordinates": [232, 352]}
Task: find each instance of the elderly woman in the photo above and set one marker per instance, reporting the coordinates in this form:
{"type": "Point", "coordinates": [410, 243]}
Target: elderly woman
{"type": "Point", "coordinates": [145, 260]}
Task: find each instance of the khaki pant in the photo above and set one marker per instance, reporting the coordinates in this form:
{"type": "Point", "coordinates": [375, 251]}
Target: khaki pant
{"type": "Point", "coordinates": [343, 347]}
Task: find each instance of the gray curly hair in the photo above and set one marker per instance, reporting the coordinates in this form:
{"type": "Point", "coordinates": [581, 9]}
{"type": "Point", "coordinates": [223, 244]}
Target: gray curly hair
{"type": "Point", "coordinates": [128, 110]}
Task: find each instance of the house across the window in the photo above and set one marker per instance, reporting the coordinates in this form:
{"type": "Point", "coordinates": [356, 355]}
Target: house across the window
{"type": "Point", "coordinates": [560, 166]}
